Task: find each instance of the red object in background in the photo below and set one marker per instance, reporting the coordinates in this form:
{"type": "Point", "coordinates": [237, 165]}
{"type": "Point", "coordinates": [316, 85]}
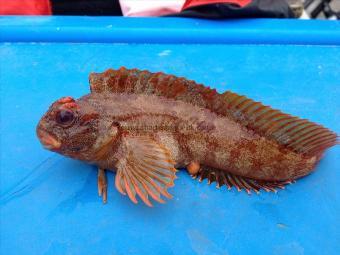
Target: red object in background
{"type": "Point", "coordinates": [193, 3]}
{"type": "Point", "coordinates": [25, 7]}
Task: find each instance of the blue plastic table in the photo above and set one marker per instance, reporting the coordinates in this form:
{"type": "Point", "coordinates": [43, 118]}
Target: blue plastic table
{"type": "Point", "coordinates": [49, 203]}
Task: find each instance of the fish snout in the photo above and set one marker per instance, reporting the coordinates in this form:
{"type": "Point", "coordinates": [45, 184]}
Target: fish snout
{"type": "Point", "coordinates": [48, 140]}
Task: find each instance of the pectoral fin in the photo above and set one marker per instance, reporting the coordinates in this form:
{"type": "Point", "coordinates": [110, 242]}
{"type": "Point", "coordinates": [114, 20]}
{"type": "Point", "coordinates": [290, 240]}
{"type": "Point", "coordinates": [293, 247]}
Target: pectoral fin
{"type": "Point", "coordinates": [146, 170]}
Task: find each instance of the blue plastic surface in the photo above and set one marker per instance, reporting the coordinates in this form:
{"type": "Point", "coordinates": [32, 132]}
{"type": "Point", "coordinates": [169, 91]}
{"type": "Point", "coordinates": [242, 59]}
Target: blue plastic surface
{"type": "Point", "coordinates": [169, 30]}
{"type": "Point", "coordinates": [49, 203]}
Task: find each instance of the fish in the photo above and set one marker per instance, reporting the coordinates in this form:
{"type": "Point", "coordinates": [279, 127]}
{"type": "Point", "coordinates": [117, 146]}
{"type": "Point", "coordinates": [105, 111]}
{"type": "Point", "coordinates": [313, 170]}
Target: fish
{"type": "Point", "coordinates": [145, 126]}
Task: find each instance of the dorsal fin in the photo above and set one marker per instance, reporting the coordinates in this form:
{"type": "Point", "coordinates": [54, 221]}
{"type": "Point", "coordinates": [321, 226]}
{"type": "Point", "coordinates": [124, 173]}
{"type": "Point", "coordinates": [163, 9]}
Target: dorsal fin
{"type": "Point", "coordinates": [300, 135]}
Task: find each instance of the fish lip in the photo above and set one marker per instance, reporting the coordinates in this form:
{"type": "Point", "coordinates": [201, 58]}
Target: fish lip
{"type": "Point", "coordinates": [48, 140]}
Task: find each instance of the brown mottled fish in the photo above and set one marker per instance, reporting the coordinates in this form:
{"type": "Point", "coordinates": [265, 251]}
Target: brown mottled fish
{"type": "Point", "coordinates": [145, 125]}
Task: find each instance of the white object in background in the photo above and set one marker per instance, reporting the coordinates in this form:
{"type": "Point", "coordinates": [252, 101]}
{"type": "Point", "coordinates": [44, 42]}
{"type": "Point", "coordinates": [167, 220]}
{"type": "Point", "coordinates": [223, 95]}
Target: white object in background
{"type": "Point", "coordinates": [143, 8]}
{"type": "Point", "coordinates": [304, 15]}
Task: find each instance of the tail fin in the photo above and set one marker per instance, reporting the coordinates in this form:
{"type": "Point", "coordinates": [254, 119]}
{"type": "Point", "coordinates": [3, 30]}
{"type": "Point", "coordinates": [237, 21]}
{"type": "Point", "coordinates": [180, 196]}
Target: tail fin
{"type": "Point", "coordinates": [299, 135]}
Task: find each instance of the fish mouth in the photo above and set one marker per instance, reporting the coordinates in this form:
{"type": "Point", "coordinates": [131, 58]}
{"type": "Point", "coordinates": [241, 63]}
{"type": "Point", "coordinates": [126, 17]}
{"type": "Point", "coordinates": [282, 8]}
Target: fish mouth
{"type": "Point", "coordinates": [48, 140]}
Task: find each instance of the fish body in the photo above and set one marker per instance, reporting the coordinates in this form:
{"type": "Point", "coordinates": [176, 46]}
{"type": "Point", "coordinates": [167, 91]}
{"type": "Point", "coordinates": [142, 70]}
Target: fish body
{"type": "Point", "coordinates": [195, 134]}
{"type": "Point", "coordinates": [145, 125]}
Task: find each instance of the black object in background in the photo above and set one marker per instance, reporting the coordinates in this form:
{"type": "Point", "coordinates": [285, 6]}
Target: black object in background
{"type": "Point", "coordinates": [86, 7]}
{"type": "Point", "coordinates": [322, 8]}
{"type": "Point", "coordinates": [255, 9]}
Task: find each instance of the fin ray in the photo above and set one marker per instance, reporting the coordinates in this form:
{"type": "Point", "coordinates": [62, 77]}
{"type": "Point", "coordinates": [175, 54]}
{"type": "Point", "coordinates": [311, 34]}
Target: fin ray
{"type": "Point", "coordinates": [147, 170]}
{"type": "Point", "coordinates": [240, 183]}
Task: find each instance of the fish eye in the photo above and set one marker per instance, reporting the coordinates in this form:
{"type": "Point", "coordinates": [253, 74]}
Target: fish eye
{"type": "Point", "coordinates": [65, 117]}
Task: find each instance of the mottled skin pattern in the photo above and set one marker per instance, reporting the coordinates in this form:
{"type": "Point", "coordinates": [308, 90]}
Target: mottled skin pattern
{"type": "Point", "coordinates": [299, 135]}
{"type": "Point", "coordinates": [191, 133]}
{"type": "Point", "coordinates": [144, 125]}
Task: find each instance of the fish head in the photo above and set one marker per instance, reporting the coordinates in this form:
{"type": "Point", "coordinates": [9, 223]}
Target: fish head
{"type": "Point", "coordinates": [72, 128]}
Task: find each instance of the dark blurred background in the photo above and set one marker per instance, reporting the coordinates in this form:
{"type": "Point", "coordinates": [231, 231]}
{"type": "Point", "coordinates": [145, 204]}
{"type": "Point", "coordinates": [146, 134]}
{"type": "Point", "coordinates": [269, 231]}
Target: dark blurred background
{"type": "Point", "coordinates": [306, 9]}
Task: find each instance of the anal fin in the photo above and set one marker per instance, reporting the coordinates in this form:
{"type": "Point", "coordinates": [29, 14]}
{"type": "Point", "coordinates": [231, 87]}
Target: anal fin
{"type": "Point", "coordinates": [239, 182]}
